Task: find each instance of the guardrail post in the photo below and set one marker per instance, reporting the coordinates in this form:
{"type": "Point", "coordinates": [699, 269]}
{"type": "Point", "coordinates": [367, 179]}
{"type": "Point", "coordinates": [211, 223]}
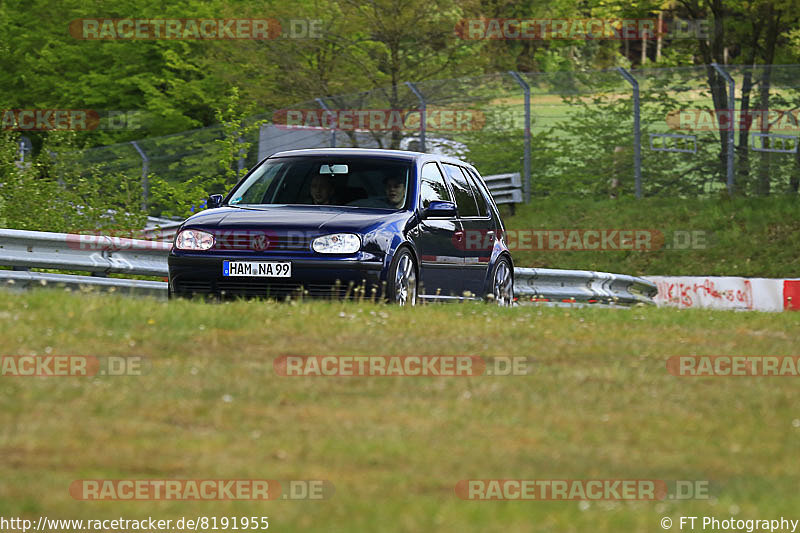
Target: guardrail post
{"type": "Point", "coordinates": [331, 116]}
{"type": "Point", "coordinates": [145, 171]}
{"type": "Point", "coordinates": [422, 114]}
{"type": "Point", "coordinates": [731, 110]}
{"type": "Point", "coordinates": [637, 132]}
{"type": "Point", "coordinates": [527, 161]}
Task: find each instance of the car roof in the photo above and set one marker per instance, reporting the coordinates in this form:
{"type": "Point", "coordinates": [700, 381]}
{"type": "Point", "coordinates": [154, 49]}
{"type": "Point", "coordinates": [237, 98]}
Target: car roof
{"type": "Point", "coordinates": [397, 154]}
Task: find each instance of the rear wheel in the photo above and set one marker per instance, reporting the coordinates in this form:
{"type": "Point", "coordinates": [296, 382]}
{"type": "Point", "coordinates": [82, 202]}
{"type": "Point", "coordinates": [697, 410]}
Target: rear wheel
{"type": "Point", "coordinates": [402, 279]}
{"type": "Point", "coordinates": [503, 283]}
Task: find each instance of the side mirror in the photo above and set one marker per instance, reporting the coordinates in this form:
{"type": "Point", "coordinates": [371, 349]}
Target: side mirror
{"type": "Point", "coordinates": [215, 200]}
{"type": "Point", "coordinates": [438, 208]}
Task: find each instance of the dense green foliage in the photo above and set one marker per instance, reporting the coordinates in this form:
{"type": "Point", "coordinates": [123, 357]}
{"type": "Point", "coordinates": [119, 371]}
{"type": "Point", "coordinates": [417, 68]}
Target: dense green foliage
{"type": "Point", "coordinates": [178, 84]}
{"type": "Point", "coordinates": [47, 193]}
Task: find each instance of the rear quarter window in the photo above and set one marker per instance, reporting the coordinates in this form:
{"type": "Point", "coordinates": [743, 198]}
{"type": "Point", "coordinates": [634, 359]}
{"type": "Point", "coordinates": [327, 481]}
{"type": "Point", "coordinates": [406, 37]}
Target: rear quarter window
{"type": "Point", "coordinates": [462, 190]}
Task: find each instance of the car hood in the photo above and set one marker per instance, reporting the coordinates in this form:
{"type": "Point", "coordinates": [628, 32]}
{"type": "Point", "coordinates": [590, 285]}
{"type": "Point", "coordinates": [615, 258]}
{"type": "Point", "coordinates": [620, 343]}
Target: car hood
{"type": "Point", "coordinates": [316, 219]}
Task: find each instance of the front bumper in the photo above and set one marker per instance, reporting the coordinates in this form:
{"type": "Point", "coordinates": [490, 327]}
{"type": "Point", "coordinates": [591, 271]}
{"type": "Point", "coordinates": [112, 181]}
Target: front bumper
{"type": "Point", "coordinates": [199, 274]}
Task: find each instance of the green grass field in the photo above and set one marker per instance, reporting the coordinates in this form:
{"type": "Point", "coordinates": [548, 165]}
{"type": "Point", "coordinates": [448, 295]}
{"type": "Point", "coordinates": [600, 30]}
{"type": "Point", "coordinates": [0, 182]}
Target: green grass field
{"type": "Point", "coordinates": [598, 403]}
{"type": "Point", "coordinates": [752, 237]}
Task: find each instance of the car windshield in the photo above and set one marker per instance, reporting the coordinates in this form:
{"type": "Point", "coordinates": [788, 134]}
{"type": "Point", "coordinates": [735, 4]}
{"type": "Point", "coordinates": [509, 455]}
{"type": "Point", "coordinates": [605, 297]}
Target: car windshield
{"type": "Point", "coordinates": [325, 180]}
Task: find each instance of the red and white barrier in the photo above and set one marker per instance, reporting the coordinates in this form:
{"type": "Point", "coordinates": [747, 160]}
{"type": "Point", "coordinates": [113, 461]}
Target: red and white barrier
{"type": "Point", "coordinates": [741, 294]}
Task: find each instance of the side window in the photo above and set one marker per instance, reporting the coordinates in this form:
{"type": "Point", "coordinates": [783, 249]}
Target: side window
{"type": "Point", "coordinates": [432, 186]}
{"type": "Point", "coordinates": [483, 207]}
{"type": "Point", "coordinates": [256, 186]}
{"type": "Point", "coordinates": [465, 199]}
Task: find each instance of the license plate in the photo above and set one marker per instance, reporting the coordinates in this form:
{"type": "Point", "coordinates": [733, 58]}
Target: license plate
{"type": "Point", "coordinates": [257, 269]}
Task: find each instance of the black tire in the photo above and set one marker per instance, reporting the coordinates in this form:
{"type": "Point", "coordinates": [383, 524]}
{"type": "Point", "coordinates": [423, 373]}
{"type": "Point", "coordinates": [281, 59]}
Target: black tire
{"type": "Point", "coordinates": [402, 279]}
{"type": "Point", "coordinates": [501, 284]}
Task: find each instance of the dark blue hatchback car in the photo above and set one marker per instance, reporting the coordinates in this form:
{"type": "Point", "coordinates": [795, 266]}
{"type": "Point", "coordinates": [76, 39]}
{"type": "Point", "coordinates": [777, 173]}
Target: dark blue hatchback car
{"type": "Point", "coordinates": [338, 222]}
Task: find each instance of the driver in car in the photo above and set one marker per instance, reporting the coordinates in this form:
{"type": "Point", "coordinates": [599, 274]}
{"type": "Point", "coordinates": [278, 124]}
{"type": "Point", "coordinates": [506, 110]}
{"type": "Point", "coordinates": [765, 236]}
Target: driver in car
{"type": "Point", "coordinates": [395, 191]}
{"type": "Point", "coordinates": [322, 190]}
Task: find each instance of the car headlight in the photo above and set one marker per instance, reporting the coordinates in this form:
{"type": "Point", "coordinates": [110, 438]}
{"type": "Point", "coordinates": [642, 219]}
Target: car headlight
{"type": "Point", "coordinates": [338, 243]}
{"type": "Point", "coordinates": [193, 239]}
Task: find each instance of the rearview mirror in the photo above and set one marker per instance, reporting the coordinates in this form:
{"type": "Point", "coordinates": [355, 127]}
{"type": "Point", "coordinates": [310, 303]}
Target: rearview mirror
{"type": "Point", "coordinates": [215, 200]}
{"type": "Point", "coordinates": [438, 208]}
{"type": "Point", "coordinates": [334, 169]}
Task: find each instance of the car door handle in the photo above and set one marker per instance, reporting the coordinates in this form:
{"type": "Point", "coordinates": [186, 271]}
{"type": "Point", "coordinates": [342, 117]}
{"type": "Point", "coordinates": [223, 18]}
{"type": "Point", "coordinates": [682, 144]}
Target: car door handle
{"type": "Point", "coordinates": [490, 235]}
{"type": "Point", "coordinates": [459, 235]}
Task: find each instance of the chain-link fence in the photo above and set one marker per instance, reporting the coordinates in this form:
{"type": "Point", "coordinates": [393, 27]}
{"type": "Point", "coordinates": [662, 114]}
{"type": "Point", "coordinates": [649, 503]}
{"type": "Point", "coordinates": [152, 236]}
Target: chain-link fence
{"type": "Point", "coordinates": [601, 133]}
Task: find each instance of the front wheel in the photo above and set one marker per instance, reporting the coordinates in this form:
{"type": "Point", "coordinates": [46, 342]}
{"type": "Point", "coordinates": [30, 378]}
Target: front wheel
{"type": "Point", "coordinates": [503, 283]}
{"type": "Point", "coordinates": [403, 279]}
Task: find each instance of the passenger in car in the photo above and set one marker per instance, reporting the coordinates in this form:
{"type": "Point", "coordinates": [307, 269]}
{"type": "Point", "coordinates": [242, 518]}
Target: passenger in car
{"type": "Point", "coordinates": [394, 195]}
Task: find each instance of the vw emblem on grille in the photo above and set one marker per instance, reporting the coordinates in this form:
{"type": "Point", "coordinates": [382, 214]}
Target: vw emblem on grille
{"type": "Point", "coordinates": [260, 242]}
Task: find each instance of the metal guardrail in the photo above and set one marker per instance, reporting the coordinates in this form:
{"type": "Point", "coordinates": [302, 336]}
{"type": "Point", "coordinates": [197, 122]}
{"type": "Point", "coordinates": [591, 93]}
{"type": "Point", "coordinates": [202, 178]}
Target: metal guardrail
{"type": "Point", "coordinates": [20, 280]}
{"type": "Point", "coordinates": [567, 287]}
{"type": "Point", "coordinates": [164, 233]}
{"type": "Point", "coordinates": [505, 188]}
{"type": "Point", "coordinates": [99, 254]}
{"type": "Point", "coordinates": [103, 255]}
{"type": "Point", "coordinates": [161, 229]}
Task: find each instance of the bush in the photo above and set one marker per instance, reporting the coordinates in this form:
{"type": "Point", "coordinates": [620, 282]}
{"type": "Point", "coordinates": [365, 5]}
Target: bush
{"type": "Point", "coordinates": [48, 193]}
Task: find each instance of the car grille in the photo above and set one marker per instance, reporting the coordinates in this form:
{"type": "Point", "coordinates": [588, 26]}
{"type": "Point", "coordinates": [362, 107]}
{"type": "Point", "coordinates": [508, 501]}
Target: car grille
{"type": "Point", "coordinates": [276, 243]}
{"type": "Point", "coordinates": [273, 290]}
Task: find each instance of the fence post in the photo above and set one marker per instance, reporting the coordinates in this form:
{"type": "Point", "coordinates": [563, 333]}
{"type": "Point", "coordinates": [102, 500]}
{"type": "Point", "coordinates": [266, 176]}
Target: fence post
{"type": "Point", "coordinates": [25, 147]}
{"type": "Point", "coordinates": [240, 161]}
{"type": "Point", "coordinates": [324, 106]}
{"type": "Point", "coordinates": [527, 161]}
{"type": "Point", "coordinates": [145, 171]}
{"type": "Point", "coordinates": [59, 175]}
{"type": "Point", "coordinates": [731, 110]}
{"type": "Point", "coordinates": [422, 114]}
{"type": "Point", "coordinates": [637, 132]}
